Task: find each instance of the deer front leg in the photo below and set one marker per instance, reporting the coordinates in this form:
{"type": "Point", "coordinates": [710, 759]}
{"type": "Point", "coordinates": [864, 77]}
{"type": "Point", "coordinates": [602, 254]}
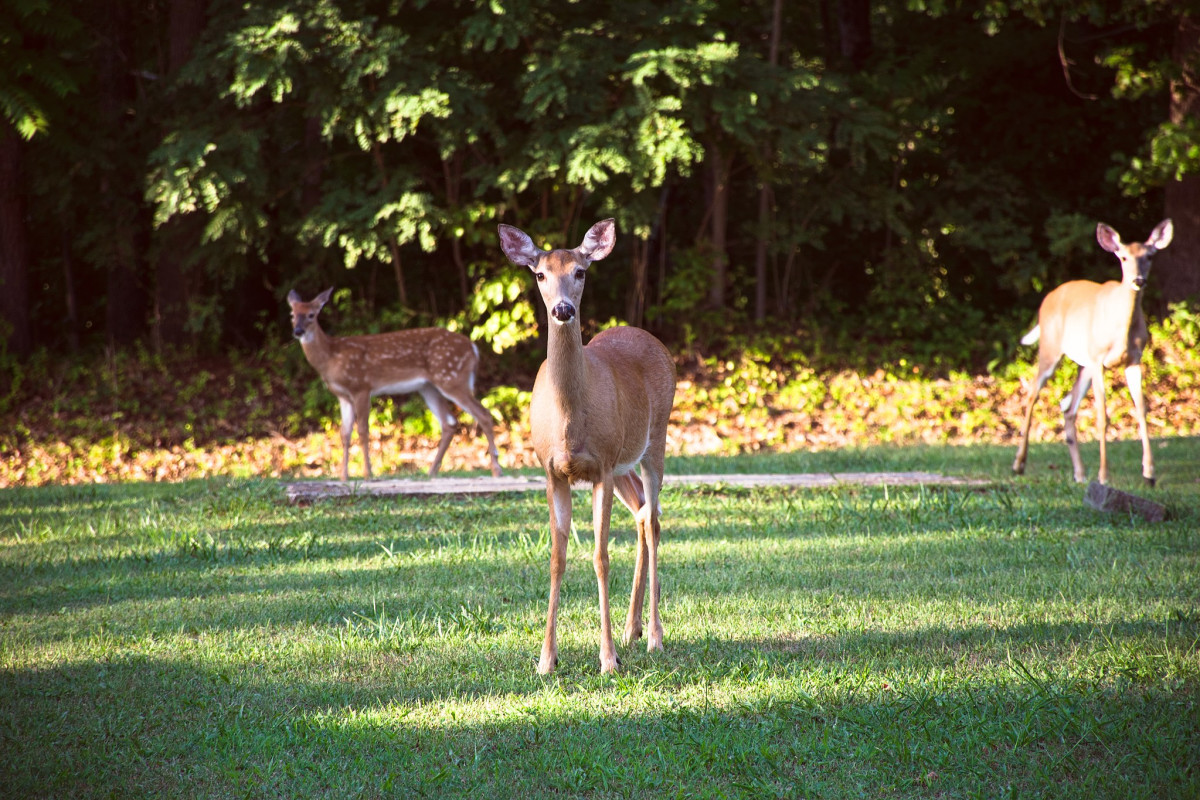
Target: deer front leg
{"type": "Point", "coordinates": [558, 497]}
{"type": "Point", "coordinates": [648, 521]}
{"type": "Point", "coordinates": [347, 409]}
{"type": "Point", "coordinates": [1133, 377]}
{"type": "Point", "coordinates": [1070, 409]}
{"type": "Point", "coordinates": [602, 495]}
{"type": "Point", "coordinates": [629, 490]}
{"type": "Point", "coordinates": [362, 414]}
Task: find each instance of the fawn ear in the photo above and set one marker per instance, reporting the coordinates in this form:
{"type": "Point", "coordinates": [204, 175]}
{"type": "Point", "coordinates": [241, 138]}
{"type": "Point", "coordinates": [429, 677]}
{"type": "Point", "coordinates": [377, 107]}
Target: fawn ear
{"type": "Point", "coordinates": [323, 298]}
{"type": "Point", "coordinates": [1109, 239]}
{"type": "Point", "coordinates": [1162, 235]}
{"type": "Point", "coordinates": [599, 240]}
{"type": "Point", "coordinates": [517, 245]}
{"type": "Point", "coordinates": [294, 298]}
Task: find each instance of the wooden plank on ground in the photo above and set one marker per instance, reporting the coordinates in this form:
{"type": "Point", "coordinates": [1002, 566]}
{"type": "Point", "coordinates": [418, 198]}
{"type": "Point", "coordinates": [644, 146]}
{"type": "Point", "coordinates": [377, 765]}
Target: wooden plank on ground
{"type": "Point", "coordinates": [310, 491]}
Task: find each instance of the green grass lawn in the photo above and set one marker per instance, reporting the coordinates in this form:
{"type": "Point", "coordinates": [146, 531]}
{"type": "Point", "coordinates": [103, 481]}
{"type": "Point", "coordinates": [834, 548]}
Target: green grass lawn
{"type": "Point", "coordinates": [205, 639]}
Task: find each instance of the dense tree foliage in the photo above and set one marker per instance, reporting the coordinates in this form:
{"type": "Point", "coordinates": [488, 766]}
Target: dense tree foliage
{"type": "Point", "coordinates": [900, 178]}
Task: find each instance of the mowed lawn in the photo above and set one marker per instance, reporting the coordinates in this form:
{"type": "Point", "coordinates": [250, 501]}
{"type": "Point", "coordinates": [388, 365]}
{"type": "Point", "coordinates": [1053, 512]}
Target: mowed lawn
{"type": "Point", "coordinates": [205, 639]}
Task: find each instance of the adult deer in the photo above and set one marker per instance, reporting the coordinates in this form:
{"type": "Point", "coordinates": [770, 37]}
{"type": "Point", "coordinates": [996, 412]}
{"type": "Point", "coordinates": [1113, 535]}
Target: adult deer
{"type": "Point", "coordinates": [597, 413]}
{"type": "Point", "coordinates": [438, 364]}
{"type": "Point", "coordinates": [1098, 326]}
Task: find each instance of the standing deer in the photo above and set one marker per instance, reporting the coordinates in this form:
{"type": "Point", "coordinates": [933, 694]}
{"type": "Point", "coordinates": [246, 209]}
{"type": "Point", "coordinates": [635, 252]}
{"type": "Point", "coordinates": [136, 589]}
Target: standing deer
{"type": "Point", "coordinates": [438, 364]}
{"type": "Point", "coordinates": [1097, 326]}
{"type": "Point", "coordinates": [597, 413]}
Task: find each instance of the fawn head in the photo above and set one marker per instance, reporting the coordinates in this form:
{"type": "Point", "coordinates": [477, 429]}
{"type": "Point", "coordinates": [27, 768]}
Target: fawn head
{"type": "Point", "coordinates": [560, 273]}
{"type": "Point", "coordinates": [304, 315]}
{"type": "Point", "coordinates": [1135, 256]}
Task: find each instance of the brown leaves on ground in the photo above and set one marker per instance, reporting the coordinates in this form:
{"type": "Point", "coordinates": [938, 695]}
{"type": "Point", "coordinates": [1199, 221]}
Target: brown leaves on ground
{"type": "Point", "coordinates": [229, 420]}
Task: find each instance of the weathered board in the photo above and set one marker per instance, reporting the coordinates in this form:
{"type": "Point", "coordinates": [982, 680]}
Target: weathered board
{"type": "Point", "coordinates": [310, 491]}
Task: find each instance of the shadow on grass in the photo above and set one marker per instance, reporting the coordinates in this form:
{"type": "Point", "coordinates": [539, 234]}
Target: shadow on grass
{"type": "Point", "coordinates": [391, 652]}
{"type": "Point", "coordinates": [792, 719]}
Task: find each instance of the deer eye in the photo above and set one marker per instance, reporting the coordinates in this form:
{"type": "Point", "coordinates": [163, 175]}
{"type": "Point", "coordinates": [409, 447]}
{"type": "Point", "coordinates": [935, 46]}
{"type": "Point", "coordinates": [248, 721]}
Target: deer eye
{"type": "Point", "coordinates": [541, 276]}
{"type": "Point", "coordinates": [580, 274]}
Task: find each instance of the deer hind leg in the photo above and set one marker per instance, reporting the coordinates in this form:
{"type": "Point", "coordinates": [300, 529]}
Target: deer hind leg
{"type": "Point", "coordinates": [362, 414]}
{"type": "Point", "coordinates": [1133, 377]}
{"type": "Point", "coordinates": [347, 409]}
{"type": "Point", "coordinates": [1070, 409]}
{"type": "Point", "coordinates": [447, 422]}
{"type": "Point", "coordinates": [648, 526]}
{"type": "Point", "coordinates": [1101, 425]}
{"type": "Point", "coordinates": [465, 398]}
{"type": "Point", "coordinates": [629, 489]}
{"type": "Point", "coordinates": [558, 497]}
{"type": "Point", "coordinates": [602, 495]}
{"type": "Point", "coordinates": [1046, 367]}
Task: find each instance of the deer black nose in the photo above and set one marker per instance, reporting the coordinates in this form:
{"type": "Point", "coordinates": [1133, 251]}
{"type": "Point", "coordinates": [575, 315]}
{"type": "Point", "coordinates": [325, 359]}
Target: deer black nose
{"type": "Point", "coordinates": [563, 312]}
{"type": "Point", "coordinates": [298, 332]}
{"type": "Point", "coordinates": [1139, 281]}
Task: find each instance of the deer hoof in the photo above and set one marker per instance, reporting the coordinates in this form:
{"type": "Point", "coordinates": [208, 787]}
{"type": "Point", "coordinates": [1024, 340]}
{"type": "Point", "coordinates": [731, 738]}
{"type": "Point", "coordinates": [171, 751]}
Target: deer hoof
{"type": "Point", "coordinates": [1150, 480]}
{"type": "Point", "coordinates": [1018, 469]}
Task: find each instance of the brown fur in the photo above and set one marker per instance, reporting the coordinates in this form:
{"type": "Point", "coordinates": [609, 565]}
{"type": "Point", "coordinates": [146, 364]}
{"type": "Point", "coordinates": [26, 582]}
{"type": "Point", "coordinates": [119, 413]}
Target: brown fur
{"type": "Point", "coordinates": [597, 413]}
{"type": "Point", "coordinates": [437, 363]}
{"type": "Point", "coordinates": [1098, 326]}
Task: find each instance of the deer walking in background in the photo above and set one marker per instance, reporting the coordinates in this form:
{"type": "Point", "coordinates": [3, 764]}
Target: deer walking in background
{"type": "Point", "coordinates": [438, 364]}
{"type": "Point", "coordinates": [597, 413]}
{"type": "Point", "coordinates": [1098, 326]}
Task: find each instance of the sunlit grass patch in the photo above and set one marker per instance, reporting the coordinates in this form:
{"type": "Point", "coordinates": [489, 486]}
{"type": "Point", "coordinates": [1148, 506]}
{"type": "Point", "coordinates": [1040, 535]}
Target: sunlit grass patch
{"type": "Point", "coordinates": [206, 639]}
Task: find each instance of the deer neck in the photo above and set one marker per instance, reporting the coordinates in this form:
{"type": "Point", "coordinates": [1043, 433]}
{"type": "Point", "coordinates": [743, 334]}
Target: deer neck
{"type": "Point", "coordinates": [1123, 306]}
{"type": "Point", "coordinates": [567, 366]}
{"type": "Point", "coordinates": [317, 346]}
{"type": "Point", "coordinates": [1121, 314]}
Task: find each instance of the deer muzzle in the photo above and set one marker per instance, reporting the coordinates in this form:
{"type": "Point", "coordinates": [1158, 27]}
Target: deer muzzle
{"type": "Point", "coordinates": [563, 312]}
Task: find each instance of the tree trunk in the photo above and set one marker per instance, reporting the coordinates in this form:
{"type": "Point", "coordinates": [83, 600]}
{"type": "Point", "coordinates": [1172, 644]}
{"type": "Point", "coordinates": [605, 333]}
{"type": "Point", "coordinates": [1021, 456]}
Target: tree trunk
{"type": "Point", "coordinates": [125, 300]}
{"type": "Point", "coordinates": [314, 165]}
{"type": "Point", "coordinates": [764, 190]}
{"type": "Point", "coordinates": [176, 239]}
{"type": "Point", "coordinates": [68, 260]}
{"type": "Point", "coordinates": [392, 242]}
{"type": "Point", "coordinates": [854, 31]}
{"type": "Point", "coordinates": [453, 177]}
{"type": "Point", "coordinates": [635, 300]}
{"type": "Point", "coordinates": [14, 251]}
{"type": "Point", "coordinates": [1178, 267]}
{"type": "Point", "coordinates": [719, 224]}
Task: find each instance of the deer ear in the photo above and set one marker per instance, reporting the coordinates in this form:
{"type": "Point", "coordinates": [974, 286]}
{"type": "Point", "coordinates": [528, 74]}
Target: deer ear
{"type": "Point", "coordinates": [323, 297]}
{"type": "Point", "coordinates": [294, 298]}
{"type": "Point", "coordinates": [599, 240]}
{"type": "Point", "coordinates": [517, 245]}
{"type": "Point", "coordinates": [1109, 239]}
{"type": "Point", "coordinates": [1162, 235]}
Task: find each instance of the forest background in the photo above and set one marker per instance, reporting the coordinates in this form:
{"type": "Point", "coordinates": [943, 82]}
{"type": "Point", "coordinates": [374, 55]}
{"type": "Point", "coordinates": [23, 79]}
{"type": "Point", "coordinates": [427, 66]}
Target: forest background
{"type": "Point", "coordinates": [840, 215]}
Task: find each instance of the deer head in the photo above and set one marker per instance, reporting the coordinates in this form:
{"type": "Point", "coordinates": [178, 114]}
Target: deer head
{"type": "Point", "coordinates": [560, 273]}
{"type": "Point", "coordinates": [1135, 256]}
{"type": "Point", "coordinates": [304, 315]}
